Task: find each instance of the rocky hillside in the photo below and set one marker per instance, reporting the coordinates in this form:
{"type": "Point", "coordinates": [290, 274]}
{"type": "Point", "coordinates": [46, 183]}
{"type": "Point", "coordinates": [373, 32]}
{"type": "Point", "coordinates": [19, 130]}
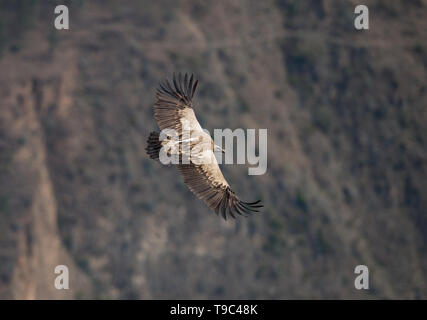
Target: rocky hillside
{"type": "Point", "coordinates": [347, 149]}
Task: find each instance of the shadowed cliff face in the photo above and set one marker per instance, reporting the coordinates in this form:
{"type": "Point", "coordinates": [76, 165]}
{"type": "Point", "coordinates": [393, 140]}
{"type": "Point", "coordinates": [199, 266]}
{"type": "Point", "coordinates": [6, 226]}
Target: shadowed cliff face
{"type": "Point", "coordinates": [346, 179]}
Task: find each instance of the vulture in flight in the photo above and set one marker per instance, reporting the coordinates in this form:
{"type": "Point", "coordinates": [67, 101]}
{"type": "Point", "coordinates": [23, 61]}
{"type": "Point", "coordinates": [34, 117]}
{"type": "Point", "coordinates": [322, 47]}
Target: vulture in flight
{"type": "Point", "coordinates": [173, 108]}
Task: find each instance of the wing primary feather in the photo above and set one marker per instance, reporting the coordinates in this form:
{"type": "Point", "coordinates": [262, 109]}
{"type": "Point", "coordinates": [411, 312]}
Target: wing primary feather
{"type": "Point", "coordinates": [248, 208]}
{"type": "Point", "coordinates": [181, 92]}
{"type": "Point", "coordinates": [184, 82]}
{"type": "Point", "coordinates": [186, 85]}
{"type": "Point", "coordinates": [257, 206]}
{"type": "Point", "coordinates": [254, 206]}
{"type": "Point", "coordinates": [171, 91]}
{"type": "Point", "coordinates": [190, 86]}
{"type": "Point", "coordinates": [163, 88]}
{"type": "Point", "coordinates": [217, 208]}
{"type": "Point", "coordinates": [251, 203]}
{"type": "Point", "coordinates": [229, 207]}
{"type": "Point", "coordinates": [176, 86]}
{"type": "Point", "coordinates": [224, 206]}
{"type": "Point", "coordinates": [240, 209]}
{"type": "Point", "coordinates": [239, 205]}
{"type": "Point", "coordinates": [236, 208]}
{"type": "Point", "coordinates": [194, 88]}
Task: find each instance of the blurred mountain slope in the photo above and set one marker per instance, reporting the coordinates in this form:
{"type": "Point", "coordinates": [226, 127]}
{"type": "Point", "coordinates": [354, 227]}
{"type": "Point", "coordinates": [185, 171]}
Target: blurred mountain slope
{"type": "Point", "coordinates": [346, 117]}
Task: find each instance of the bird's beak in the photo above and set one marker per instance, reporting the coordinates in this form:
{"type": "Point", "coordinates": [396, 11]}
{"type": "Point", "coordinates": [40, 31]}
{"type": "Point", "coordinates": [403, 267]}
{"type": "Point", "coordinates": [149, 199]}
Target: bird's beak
{"type": "Point", "coordinates": [218, 148]}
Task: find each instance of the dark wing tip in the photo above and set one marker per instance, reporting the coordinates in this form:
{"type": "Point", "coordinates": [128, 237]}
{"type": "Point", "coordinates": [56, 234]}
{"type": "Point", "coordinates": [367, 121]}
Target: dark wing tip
{"type": "Point", "coordinates": [230, 205]}
{"type": "Point", "coordinates": [182, 87]}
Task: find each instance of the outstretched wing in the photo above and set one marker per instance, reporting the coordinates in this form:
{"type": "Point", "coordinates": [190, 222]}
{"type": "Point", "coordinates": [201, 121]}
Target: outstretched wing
{"type": "Point", "coordinates": [208, 184]}
{"type": "Point", "coordinates": [174, 104]}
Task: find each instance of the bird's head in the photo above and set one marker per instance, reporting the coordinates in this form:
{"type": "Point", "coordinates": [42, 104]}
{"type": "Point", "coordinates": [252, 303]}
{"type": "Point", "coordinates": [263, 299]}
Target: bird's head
{"type": "Point", "coordinates": [218, 149]}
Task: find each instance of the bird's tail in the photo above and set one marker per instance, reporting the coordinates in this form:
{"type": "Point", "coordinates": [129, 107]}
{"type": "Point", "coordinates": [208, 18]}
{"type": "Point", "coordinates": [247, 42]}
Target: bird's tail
{"type": "Point", "coordinates": [154, 145]}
